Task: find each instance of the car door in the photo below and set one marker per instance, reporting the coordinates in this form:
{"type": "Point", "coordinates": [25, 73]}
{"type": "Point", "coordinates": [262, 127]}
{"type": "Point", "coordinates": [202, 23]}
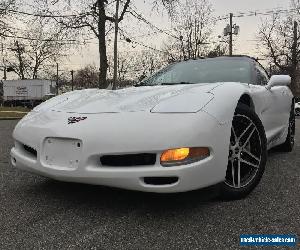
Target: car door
{"type": "Point", "coordinates": [274, 104]}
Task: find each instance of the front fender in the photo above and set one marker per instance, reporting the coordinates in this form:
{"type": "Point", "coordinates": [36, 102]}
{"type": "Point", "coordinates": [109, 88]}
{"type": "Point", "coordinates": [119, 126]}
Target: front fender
{"type": "Point", "coordinates": [226, 98]}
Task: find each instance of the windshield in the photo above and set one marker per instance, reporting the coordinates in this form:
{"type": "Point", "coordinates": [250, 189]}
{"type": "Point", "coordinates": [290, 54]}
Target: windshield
{"type": "Point", "coordinates": [202, 71]}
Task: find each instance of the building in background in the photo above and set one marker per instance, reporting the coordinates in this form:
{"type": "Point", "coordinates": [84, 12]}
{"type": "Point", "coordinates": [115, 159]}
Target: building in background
{"type": "Point", "coordinates": [27, 92]}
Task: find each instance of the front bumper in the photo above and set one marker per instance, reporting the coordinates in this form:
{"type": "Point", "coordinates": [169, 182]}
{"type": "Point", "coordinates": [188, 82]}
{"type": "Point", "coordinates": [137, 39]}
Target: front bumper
{"type": "Point", "coordinates": [125, 133]}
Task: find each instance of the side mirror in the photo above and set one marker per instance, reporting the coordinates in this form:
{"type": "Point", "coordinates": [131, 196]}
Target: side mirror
{"type": "Point", "coordinates": [279, 80]}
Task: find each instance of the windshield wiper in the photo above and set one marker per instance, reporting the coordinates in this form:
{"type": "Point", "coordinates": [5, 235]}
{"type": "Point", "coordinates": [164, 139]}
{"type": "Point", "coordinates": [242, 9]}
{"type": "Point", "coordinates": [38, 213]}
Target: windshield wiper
{"type": "Point", "coordinates": [164, 83]}
{"type": "Point", "coordinates": [139, 85]}
{"type": "Point", "coordinates": [142, 84]}
{"type": "Point", "coordinates": [175, 83]}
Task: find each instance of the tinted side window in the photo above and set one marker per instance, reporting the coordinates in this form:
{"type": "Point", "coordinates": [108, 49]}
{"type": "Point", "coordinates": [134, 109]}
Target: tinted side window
{"type": "Point", "coordinates": [261, 76]}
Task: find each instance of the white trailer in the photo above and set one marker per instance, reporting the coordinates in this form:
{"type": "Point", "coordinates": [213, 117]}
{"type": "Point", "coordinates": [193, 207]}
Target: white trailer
{"type": "Point", "coordinates": [27, 90]}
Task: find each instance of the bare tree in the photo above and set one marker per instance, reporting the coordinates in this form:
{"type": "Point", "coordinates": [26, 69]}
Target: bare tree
{"type": "Point", "coordinates": [137, 65]}
{"type": "Point", "coordinates": [280, 39]}
{"type": "Point", "coordinates": [193, 22]}
{"type": "Point", "coordinates": [218, 50]}
{"type": "Point", "coordinates": [296, 5]}
{"type": "Point", "coordinates": [86, 77]}
{"type": "Point", "coordinates": [169, 5]}
{"type": "Point", "coordinates": [5, 6]}
{"type": "Point", "coordinates": [150, 62]}
{"type": "Point", "coordinates": [45, 46]}
{"type": "Point", "coordinates": [94, 16]}
{"type": "Point", "coordinates": [18, 62]}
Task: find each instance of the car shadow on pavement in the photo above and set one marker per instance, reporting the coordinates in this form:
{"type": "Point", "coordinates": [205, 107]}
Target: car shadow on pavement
{"type": "Point", "coordinates": [277, 151]}
{"type": "Point", "coordinates": [83, 194]}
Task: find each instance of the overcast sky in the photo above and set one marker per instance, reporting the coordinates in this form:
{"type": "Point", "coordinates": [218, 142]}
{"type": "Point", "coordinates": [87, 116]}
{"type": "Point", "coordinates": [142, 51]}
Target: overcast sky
{"type": "Point", "coordinates": [245, 43]}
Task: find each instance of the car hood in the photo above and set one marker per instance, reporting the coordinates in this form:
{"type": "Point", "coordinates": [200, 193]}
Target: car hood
{"type": "Point", "coordinates": [190, 98]}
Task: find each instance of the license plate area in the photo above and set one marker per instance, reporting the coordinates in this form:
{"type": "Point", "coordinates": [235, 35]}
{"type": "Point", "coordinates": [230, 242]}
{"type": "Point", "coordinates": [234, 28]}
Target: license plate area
{"type": "Point", "coordinates": [63, 153]}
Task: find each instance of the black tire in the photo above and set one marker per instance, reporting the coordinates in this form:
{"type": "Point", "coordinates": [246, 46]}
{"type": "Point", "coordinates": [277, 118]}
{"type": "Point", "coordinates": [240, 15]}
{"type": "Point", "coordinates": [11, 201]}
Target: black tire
{"type": "Point", "coordinates": [247, 154]}
{"type": "Point", "coordinates": [289, 143]}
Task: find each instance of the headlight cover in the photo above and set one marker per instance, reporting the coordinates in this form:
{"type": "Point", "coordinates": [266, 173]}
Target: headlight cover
{"type": "Point", "coordinates": [186, 103]}
{"type": "Point", "coordinates": [183, 156]}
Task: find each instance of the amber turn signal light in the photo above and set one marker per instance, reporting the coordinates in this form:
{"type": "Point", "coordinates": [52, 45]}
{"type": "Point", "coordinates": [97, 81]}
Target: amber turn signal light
{"type": "Point", "coordinates": [181, 156]}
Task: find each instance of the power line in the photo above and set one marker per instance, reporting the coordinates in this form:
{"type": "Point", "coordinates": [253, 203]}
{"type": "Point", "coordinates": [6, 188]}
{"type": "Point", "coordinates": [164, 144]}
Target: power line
{"type": "Point", "coordinates": [41, 15]}
{"type": "Point", "coordinates": [267, 12]}
{"type": "Point", "coordinates": [139, 16]}
{"type": "Point", "coordinates": [129, 40]}
{"type": "Point", "coordinates": [143, 19]}
{"type": "Point", "coordinates": [37, 39]}
{"type": "Point", "coordinates": [145, 35]}
{"type": "Point", "coordinates": [62, 41]}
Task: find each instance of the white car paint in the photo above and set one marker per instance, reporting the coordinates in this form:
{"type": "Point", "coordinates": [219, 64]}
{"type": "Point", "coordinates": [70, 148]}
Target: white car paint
{"type": "Point", "coordinates": [143, 120]}
{"type": "Point", "coordinates": [265, 104]}
{"type": "Point", "coordinates": [93, 101]}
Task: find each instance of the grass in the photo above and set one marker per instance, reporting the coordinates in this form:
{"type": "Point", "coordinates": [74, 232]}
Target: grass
{"type": "Point", "coordinates": [22, 109]}
{"type": "Point", "coordinates": [12, 112]}
{"type": "Point", "coordinates": [11, 115]}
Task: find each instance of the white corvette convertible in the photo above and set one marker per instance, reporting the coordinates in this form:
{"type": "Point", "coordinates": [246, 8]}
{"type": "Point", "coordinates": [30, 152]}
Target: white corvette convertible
{"type": "Point", "coordinates": [191, 125]}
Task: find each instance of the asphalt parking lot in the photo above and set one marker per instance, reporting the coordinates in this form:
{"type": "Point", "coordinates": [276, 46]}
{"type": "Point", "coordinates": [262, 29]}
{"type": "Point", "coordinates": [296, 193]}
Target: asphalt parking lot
{"type": "Point", "coordinates": [36, 212]}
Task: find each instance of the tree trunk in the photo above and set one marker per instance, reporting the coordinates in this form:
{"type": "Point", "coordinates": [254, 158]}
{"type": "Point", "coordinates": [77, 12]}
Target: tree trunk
{"type": "Point", "coordinates": [21, 65]}
{"type": "Point", "coordinates": [116, 45]}
{"type": "Point", "coordinates": [35, 71]}
{"type": "Point", "coordinates": [293, 81]}
{"type": "Point", "coordinates": [102, 84]}
{"type": "Point", "coordinates": [36, 67]}
{"type": "Point", "coordinates": [34, 74]}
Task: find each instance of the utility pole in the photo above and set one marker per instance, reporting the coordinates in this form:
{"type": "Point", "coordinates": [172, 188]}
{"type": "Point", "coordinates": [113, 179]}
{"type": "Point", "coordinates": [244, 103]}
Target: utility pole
{"type": "Point", "coordinates": [116, 45]}
{"type": "Point", "coordinates": [57, 78]}
{"type": "Point", "coordinates": [72, 80]}
{"type": "Point", "coordinates": [230, 34]}
{"type": "Point", "coordinates": [231, 29]}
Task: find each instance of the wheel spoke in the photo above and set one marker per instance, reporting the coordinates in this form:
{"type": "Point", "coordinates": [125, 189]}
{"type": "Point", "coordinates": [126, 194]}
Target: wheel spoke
{"type": "Point", "coordinates": [251, 155]}
{"type": "Point", "coordinates": [245, 131]}
{"type": "Point", "coordinates": [232, 172]}
{"type": "Point", "coordinates": [234, 134]}
{"type": "Point", "coordinates": [250, 164]}
{"type": "Point", "coordinates": [249, 137]}
{"type": "Point", "coordinates": [239, 174]}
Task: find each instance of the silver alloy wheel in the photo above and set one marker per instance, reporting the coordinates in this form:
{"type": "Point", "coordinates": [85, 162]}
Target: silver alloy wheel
{"type": "Point", "coordinates": [245, 152]}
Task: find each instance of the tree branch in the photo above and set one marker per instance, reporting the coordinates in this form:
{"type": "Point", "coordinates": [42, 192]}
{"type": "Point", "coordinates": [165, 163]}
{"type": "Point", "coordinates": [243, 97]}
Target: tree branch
{"type": "Point", "coordinates": [112, 19]}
